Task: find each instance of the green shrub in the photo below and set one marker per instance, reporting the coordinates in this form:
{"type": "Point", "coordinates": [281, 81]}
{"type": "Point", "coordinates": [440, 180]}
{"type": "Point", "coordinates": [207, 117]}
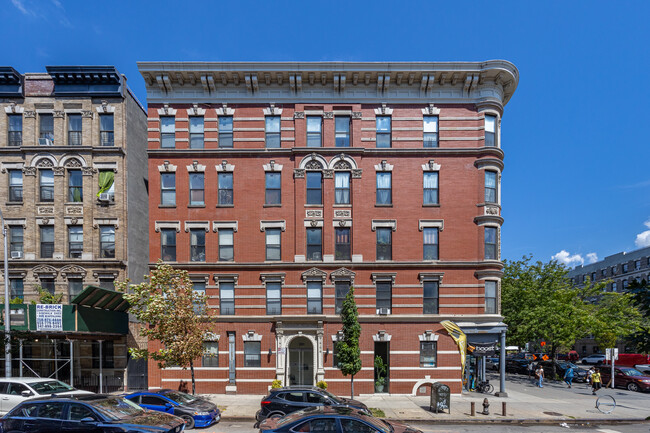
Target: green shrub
{"type": "Point", "coordinates": [321, 384]}
{"type": "Point", "coordinates": [277, 383]}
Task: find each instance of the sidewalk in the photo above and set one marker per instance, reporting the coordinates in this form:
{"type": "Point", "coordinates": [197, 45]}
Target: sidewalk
{"type": "Point", "coordinates": [525, 404]}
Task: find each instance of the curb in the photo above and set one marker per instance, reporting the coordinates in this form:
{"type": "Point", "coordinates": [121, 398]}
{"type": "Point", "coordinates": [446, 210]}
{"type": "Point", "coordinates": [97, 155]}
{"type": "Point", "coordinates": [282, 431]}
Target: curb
{"type": "Point", "coordinates": [520, 421]}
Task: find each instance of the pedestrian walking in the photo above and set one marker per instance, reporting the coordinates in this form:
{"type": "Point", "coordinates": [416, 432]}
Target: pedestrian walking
{"type": "Point", "coordinates": [568, 376]}
{"type": "Point", "coordinates": [589, 373]}
{"type": "Point", "coordinates": [531, 369]}
{"type": "Point", "coordinates": [596, 381]}
{"type": "Point", "coordinates": [539, 375]}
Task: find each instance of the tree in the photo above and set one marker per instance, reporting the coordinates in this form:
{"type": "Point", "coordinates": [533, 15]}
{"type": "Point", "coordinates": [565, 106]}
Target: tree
{"type": "Point", "coordinates": [348, 352]}
{"type": "Point", "coordinates": [170, 309]}
{"type": "Point", "coordinates": [640, 293]}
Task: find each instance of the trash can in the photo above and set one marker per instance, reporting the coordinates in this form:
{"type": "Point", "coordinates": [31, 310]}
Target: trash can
{"type": "Point", "coordinates": [440, 398]}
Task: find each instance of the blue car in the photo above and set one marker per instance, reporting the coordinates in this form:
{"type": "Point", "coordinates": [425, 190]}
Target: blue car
{"type": "Point", "coordinates": [195, 411]}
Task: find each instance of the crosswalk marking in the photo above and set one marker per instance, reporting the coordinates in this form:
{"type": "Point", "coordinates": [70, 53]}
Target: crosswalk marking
{"type": "Point", "coordinates": [604, 430]}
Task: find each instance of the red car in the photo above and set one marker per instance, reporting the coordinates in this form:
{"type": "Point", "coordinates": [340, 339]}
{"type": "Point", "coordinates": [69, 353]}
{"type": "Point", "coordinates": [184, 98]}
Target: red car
{"type": "Point", "coordinates": [626, 377]}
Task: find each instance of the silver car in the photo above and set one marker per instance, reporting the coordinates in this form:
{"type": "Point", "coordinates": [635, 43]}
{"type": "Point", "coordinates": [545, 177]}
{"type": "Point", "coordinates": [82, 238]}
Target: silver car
{"type": "Point", "coordinates": [15, 390]}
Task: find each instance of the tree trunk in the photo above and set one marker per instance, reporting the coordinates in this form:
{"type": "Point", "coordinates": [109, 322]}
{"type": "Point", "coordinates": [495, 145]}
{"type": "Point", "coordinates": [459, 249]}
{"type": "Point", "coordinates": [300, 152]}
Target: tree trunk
{"type": "Point", "coordinates": [193, 382]}
{"type": "Point", "coordinates": [352, 386]}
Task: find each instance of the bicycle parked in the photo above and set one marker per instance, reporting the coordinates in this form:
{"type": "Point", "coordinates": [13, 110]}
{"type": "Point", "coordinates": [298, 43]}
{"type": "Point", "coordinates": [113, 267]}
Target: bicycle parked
{"type": "Point", "coordinates": [485, 387]}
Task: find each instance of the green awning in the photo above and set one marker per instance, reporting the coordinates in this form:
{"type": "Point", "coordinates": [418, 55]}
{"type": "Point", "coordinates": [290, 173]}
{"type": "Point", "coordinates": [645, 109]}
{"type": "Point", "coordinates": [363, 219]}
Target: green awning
{"type": "Point", "coordinates": [97, 297]}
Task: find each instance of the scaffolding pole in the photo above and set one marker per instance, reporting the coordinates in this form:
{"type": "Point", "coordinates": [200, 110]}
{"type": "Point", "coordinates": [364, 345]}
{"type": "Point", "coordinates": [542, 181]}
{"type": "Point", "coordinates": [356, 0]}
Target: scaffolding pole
{"type": "Point", "coordinates": [71, 364]}
{"type": "Point", "coordinates": [20, 355]}
{"type": "Point", "coordinates": [100, 367]}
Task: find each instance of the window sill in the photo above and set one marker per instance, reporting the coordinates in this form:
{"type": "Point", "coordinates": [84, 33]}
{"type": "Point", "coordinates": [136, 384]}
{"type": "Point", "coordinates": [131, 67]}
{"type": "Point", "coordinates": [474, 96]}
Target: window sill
{"type": "Point", "coordinates": [272, 205]}
{"type": "Point", "coordinates": [14, 203]}
{"type": "Point", "coordinates": [343, 205]}
{"type": "Point", "coordinates": [314, 205]}
{"type": "Point", "coordinates": [195, 205]}
{"type": "Point", "coordinates": [487, 203]}
{"type": "Point", "coordinates": [431, 205]}
{"type": "Point", "coordinates": [44, 203]}
{"type": "Point", "coordinates": [169, 206]}
{"type": "Point", "coordinates": [74, 203]}
{"type": "Point", "coordinates": [383, 205]}
{"type": "Point", "coordinates": [225, 205]}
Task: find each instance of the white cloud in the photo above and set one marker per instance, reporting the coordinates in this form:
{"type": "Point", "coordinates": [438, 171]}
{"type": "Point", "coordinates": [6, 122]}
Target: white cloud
{"type": "Point", "coordinates": [21, 7]}
{"type": "Point", "coordinates": [643, 238]}
{"type": "Point", "coordinates": [592, 257]}
{"type": "Point", "coordinates": [568, 259]}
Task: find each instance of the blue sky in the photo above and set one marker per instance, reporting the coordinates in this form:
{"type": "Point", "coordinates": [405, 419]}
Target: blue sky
{"type": "Point", "coordinates": [576, 180]}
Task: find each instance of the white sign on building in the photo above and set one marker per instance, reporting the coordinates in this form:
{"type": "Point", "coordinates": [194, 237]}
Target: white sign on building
{"type": "Point", "coordinates": [49, 317]}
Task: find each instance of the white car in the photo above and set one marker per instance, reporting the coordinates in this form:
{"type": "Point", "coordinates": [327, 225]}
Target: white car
{"type": "Point", "coordinates": [593, 359]}
{"type": "Point", "coordinates": [15, 390]}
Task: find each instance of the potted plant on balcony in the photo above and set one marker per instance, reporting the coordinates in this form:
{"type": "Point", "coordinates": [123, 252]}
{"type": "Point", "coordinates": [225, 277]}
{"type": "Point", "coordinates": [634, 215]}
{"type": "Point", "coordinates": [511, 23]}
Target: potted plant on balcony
{"type": "Point", "coordinates": [380, 374]}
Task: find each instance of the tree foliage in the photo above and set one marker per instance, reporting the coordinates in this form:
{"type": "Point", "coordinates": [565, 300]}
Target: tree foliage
{"type": "Point", "coordinates": [171, 311]}
{"type": "Point", "coordinates": [640, 293]}
{"type": "Point", "coordinates": [348, 351]}
{"type": "Point", "coordinates": [45, 297]}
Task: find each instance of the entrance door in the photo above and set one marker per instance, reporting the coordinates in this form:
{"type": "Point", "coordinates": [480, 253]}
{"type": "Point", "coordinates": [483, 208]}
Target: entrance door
{"type": "Point", "coordinates": [382, 381]}
{"type": "Point", "coordinates": [231, 358]}
{"type": "Point", "coordinates": [301, 362]}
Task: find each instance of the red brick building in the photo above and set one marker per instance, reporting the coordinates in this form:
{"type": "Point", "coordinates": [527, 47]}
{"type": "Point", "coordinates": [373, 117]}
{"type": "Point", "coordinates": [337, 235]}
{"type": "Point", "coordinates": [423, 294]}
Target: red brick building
{"type": "Point", "coordinates": [280, 185]}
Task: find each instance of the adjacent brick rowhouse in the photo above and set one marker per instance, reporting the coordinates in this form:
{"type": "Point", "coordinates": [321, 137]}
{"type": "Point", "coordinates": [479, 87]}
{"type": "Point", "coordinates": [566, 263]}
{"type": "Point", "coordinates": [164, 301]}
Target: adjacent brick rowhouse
{"type": "Point", "coordinates": [298, 345]}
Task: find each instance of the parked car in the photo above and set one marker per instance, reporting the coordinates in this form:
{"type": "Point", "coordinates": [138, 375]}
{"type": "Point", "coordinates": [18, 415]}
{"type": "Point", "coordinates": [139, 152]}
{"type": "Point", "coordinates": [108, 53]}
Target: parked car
{"type": "Point", "coordinates": [626, 377]}
{"type": "Point", "coordinates": [492, 363]}
{"type": "Point", "coordinates": [332, 419]}
{"type": "Point", "coordinates": [517, 365]}
{"type": "Point", "coordinates": [196, 412]}
{"type": "Point", "coordinates": [97, 413]}
{"type": "Point", "coordinates": [579, 374]}
{"type": "Point", "coordinates": [643, 368]}
{"type": "Point", "coordinates": [15, 390]}
{"type": "Point", "coordinates": [593, 359]}
{"type": "Point", "coordinates": [282, 401]}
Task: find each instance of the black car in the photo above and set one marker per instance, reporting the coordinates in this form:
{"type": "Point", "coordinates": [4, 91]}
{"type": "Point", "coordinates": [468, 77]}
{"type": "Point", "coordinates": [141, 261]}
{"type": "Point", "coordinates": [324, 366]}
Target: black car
{"type": "Point", "coordinates": [282, 401]}
{"type": "Point", "coordinates": [517, 365]}
{"type": "Point", "coordinates": [579, 374]}
{"type": "Point", "coordinates": [332, 420]}
{"type": "Point", "coordinates": [98, 413]}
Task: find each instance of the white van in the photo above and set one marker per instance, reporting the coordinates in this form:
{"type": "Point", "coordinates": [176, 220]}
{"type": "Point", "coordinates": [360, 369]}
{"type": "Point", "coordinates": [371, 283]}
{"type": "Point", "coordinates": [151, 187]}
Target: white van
{"type": "Point", "coordinates": [15, 390]}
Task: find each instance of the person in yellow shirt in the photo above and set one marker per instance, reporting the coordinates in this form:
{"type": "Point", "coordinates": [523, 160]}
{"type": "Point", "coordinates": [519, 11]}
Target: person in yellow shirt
{"type": "Point", "coordinates": [596, 381]}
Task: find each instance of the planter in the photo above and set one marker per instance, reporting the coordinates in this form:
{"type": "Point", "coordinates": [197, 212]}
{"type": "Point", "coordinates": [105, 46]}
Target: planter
{"type": "Point", "coordinates": [379, 388]}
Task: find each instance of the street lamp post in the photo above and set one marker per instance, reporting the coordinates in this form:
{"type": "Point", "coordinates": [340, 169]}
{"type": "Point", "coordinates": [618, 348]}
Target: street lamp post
{"type": "Point", "coordinates": [7, 312]}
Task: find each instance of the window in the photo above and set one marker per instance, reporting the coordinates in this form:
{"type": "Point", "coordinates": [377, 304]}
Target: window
{"type": "Point", "coordinates": [314, 187]}
{"type": "Point", "coordinates": [196, 132]}
{"type": "Point", "coordinates": [107, 354]}
{"type": "Point", "coordinates": [210, 354]}
{"type": "Point", "coordinates": [198, 291]}
{"type": "Point", "coordinates": [341, 289]}
{"type": "Point", "coordinates": [430, 187]}
{"type": "Point", "coordinates": [79, 412]}
{"type": "Point", "coordinates": [225, 189]}
{"type": "Point", "coordinates": [384, 188]}
{"type": "Point", "coordinates": [593, 276]}
{"type": "Point", "coordinates": [75, 186]}
{"type": "Point", "coordinates": [626, 268]}
{"type": "Point", "coordinates": [15, 185]}
{"type": "Point", "coordinates": [252, 354]}
{"type": "Point", "coordinates": [428, 353]}
{"type": "Point", "coordinates": [47, 284]}
{"type": "Point", "coordinates": [430, 242]}
{"type": "Point", "coordinates": [168, 245]}
{"type": "Point", "coordinates": [637, 265]}
{"type": "Point", "coordinates": [430, 131]}
{"type": "Point", "coordinates": [16, 239]}
{"type": "Point", "coordinates": [227, 298]}
{"type": "Point", "coordinates": [107, 183]}
{"type": "Point", "coordinates": [342, 187]}
{"type": "Point", "coordinates": [273, 188]}
{"type": "Point", "coordinates": [613, 270]}
{"type": "Point", "coordinates": [46, 185]}
{"type": "Point", "coordinates": [273, 298]}
{"type": "Point", "coordinates": [314, 243]}
{"type": "Point", "coordinates": [75, 286]}
{"type": "Point", "coordinates": [383, 131]}
{"type": "Point", "coordinates": [384, 243]}
{"type": "Point", "coordinates": [491, 297]}
{"type": "Point", "coordinates": [491, 187]}
{"type": "Point", "coordinates": [342, 250]}
{"type": "Point", "coordinates": [168, 189]}
{"type": "Point", "coordinates": [51, 411]}
{"type": "Point", "coordinates": [384, 297]}
{"type": "Point", "coordinates": [490, 131]}
{"type": "Point", "coordinates": [47, 242]}
{"type": "Point", "coordinates": [197, 192]}
{"type": "Point", "coordinates": [167, 132]}
{"type": "Point", "coordinates": [348, 426]}
{"type": "Point", "coordinates": [74, 129]}
{"type": "Point", "coordinates": [490, 243]}
{"type": "Point", "coordinates": [603, 272]}
{"type": "Point", "coordinates": [107, 283]}
{"type": "Point", "coordinates": [75, 241]}
{"type": "Point", "coordinates": [342, 131]}
{"type": "Point", "coordinates": [226, 245]}
{"type": "Point", "coordinates": [272, 129]}
{"type": "Point", "coordinates": [273, 251]}
{"type": "Point", "coordinates": [106, 130]}
{"type": "Point", "coordinates": [624, 284]}
{"type": "Point", "coordinates": [225, 131]}
{"type": "Point", "coordinates": [15, 137]}
{"type": "Point", "coordinates": [197, 245]}
{"type": "Point", "coordinates": [107, 242]}
{"type": "Point", "coordinates": [46, 127]}
{"type": "Point", "coordinates": [314, 297]}
{"type": "Point", "coordinates": [17, 288]}
{"type": "Point", "coordinates": [430, 297]}
{"type": "Point", "coordinates": [314, 129]}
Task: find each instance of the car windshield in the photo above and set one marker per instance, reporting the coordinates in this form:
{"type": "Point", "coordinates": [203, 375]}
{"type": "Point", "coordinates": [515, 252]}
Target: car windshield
{"type": "Point", "coordinates": [632, 372]}
{"type": "Point", "coordinates": [333, 397]}
{"type": "Point", "coordinates": [50, 387]}
{"type": "Point", "coordinates": [180, 397]}
{"type": "Point", "coordinates": [116, 408]}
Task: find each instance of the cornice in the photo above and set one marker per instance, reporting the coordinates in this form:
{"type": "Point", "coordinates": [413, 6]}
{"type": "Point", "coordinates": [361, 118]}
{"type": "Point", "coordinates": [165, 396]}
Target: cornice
{"type": "Point", "coordinates": [475, 319]}
{"type": "Point", "coordinates": [439, 265]}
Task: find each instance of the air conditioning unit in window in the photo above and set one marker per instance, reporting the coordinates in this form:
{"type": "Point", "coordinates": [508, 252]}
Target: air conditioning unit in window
{"type": "Point", "coordinates": [104, 196]}
{"type": "Point", "coordinates": [383, 311]}
{"type": "Point", "coordinates": [16, 254]}
{"type": "Point", "coordinates": [45, 142]}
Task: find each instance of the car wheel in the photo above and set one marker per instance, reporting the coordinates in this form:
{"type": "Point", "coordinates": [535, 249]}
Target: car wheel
{"type": "Point", "coordinates": [632, 387]}
{"type": "Point", "coordinates": [276, 415]}
{"type": "Point", "coordinates": [189, 421]}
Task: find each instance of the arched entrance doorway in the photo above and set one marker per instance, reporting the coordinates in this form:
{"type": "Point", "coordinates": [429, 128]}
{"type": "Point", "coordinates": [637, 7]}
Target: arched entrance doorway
{"type": "Point", "coordinates": [301, 362]}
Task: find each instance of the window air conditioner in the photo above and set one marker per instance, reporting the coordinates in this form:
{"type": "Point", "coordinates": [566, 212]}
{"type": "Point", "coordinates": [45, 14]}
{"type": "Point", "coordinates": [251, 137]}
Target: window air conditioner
{"type": "Point", "coordinates": [16, 254]}
{"type": "Point", "coordinates": [383, 311]}
{"type": "Point", "coordinates": [104, 196]}
{"type": "Point", "coordinates": [44, 142]}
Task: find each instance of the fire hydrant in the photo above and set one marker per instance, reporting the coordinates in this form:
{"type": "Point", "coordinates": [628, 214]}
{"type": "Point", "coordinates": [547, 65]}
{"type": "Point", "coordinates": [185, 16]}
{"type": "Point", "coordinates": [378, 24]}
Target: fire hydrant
{"type": "Point", "coordinates": [486, 407]}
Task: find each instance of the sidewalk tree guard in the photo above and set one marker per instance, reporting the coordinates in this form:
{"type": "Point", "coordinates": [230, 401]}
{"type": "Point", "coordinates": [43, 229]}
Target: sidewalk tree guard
{"type": "Point", "coordinates": [349, 354]}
